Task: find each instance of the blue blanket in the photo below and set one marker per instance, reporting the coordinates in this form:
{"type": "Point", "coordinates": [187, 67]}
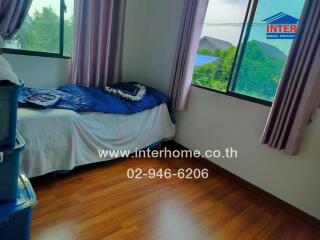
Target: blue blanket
{"type": "Point", "coordinates": [84, 99]}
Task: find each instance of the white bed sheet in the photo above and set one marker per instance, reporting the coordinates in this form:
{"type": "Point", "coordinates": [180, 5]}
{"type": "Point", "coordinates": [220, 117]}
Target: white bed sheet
{"type": "Point", "coordinates": [58, 139]}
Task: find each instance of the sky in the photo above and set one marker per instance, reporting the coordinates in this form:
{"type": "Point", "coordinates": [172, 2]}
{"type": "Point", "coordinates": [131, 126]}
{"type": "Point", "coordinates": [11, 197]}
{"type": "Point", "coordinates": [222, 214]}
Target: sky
{"type": "Point", "coordinates": [225, 11]}
{"type": "Point", "coordinates": [233, 11]}
{"type": "Point", "coordinates": [37, 5]}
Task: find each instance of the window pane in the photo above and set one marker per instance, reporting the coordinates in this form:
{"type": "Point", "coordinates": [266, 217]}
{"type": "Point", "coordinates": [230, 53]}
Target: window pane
{"type": "Point", "coordinates": [267, 48]}
{"type": "Point", "coordinates": [68, 28]}
{"type": "Point", "coordinates": [219, 39]}
{"type": "Point", "coordinates": [40, 31]}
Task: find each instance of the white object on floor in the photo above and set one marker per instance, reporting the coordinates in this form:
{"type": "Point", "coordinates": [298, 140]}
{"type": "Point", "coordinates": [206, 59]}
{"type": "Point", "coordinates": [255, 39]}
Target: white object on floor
{"type": "Point", "coordinates": [58, 139]}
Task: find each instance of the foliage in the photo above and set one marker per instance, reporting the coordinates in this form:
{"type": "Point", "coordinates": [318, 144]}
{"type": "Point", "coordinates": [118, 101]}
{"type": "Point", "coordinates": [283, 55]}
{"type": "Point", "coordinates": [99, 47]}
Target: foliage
{"type": "Point", "coordinates": [68, 37]}
{"type": "Point", "coordinates": [41, 32]}
{"type": "Point", "coordinates": [215, 74]}
{"type": "Point", "coordinates": [206, 51]}
{"type": "Point", "coordinates": [258, 76]}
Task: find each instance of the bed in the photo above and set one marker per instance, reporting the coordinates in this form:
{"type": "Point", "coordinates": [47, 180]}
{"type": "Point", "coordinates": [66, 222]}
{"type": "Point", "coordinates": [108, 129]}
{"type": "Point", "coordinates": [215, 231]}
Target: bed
{"type": "Point", "coordinates": [61, 139]}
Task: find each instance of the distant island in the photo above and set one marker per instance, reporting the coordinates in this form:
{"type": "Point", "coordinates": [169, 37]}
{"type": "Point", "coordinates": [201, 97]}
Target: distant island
{"type": "Point", "coordinates": [260, 70]}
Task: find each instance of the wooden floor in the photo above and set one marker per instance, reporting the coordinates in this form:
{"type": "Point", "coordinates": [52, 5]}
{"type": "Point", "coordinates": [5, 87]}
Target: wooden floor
{"type": "Point", "coordinates": [100, 202]}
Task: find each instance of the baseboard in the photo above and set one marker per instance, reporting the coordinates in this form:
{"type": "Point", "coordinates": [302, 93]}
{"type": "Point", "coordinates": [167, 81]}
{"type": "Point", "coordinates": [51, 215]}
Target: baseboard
{"type": "Point", "coordinates": [253, 188]}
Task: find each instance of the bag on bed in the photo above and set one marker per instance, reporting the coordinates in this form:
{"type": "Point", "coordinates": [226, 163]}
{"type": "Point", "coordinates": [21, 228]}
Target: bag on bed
{"type": "Point", "coordinates": [43, 99]}
{"type": "Point", "coordinates": [130, 91]}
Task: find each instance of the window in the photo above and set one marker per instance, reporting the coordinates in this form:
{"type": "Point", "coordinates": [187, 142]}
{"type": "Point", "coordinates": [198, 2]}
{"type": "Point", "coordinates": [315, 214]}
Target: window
{"type": "Point", "coordinates": [219, 40]}
{"type": "Point", "coordinates": [46, 31]}
{"type": "Point", "coordinates": [264, 57]}
{"type": "Point", "coordinates": [68, 28]}
{"type": "Point", "coordinates": [252, 65]}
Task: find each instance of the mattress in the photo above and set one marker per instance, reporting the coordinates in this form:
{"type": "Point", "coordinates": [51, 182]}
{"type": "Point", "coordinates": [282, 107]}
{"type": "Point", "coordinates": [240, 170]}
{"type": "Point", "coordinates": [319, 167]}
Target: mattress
{"type": "Point", "coordinates": [58, 139]}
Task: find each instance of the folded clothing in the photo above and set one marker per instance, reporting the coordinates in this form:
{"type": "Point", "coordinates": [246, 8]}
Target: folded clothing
{"type": "Point", "coordinates": [131, 91]}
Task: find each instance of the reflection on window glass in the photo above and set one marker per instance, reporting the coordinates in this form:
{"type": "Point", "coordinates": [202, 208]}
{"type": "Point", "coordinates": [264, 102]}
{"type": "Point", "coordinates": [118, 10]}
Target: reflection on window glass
{"type": "Point", "coordinates": [40, 31]}
{"type": "Point", "coordinates": [267, 48]}
{"type": "Point", "coordinates": [68, 27]}
{"type": "Point", "coordinates": [219, 39]}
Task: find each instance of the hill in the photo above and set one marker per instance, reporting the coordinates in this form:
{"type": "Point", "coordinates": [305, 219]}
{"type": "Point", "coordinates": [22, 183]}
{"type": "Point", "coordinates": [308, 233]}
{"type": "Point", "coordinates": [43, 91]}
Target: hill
{"type": "Point", "coordinates": [259, 73]}
{"type": "Point", "coordinates": [260, 70]}
{"type": "Point", "coordinates": [213, 43]}
{"type": "Point", "coordinates": [269, 50]}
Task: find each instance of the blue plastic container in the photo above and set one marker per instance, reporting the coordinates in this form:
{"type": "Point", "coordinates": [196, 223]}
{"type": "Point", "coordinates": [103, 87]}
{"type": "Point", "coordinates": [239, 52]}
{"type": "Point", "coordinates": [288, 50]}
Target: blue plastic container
{"type": "Point", "coordinates": [15, 217]}
{"type": "Point", "coordinates": [9, 94]}
{"type": "Point", "coordinates": [9, 170]}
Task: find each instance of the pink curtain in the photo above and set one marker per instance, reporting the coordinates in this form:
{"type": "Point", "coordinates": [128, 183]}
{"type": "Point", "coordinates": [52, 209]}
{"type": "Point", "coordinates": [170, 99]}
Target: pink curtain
{"type": "Point", "coordinates": [193, 15]}
{"type": "Point", "coordinates": [298, 95]}
{"type": "Point", "coordinates": [12, 15]}
{"type": "Point", "coordinates": [98, 42]}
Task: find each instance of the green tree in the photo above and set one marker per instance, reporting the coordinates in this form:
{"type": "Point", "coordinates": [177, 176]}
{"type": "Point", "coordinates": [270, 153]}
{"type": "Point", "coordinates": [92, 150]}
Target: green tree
{"type": "Point", "coordinates": [206, 51]}
{"type": "Point", "coordinates": [41, 32]}
{"type": "Point", "coordinates": [259, 74]}
{"type": "Point", "coordinates": [68, 37]}
{"type": "Point", "coordinates": [215, 74]}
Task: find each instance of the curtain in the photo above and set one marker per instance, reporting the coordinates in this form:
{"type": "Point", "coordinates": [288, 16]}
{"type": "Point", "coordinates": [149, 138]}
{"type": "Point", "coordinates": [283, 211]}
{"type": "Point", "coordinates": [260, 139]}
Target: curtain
{"type": "Point", "coordinates": [98, 42]}
{"type": "Point", "coordinates": [298, 95]}
{"type": "Point", "coordinates": [12, 15]}
{"type": "Point", "coordinates": [193, 15]}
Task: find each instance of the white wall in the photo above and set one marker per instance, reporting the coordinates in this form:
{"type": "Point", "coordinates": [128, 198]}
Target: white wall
{"type": "Point", "coordinates": [40, 71]}
{"type": "Point", "coordinates": [151, 29]}
{"type": "Point", "coordinates": [134, 39]}
{"type": "Point", "coordinates": [216, 121]}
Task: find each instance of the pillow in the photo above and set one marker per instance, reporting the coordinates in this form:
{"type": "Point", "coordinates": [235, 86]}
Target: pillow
{"type": "Point", "coordinates": [129, 91]}
{"type": "Point", "coordinates": [128, 88]}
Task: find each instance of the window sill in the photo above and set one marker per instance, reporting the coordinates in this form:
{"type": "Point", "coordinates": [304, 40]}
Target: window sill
{"type": "Point", "coordinates": [237, 95]}
{"type": "Point", "coordinates": [33, 53]}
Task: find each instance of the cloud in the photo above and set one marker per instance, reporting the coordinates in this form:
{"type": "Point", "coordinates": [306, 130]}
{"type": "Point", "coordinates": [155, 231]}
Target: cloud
{"type": "Point", "coordinates": [226, 11]}
{"type": "Point", "coordinates": [236, 1]}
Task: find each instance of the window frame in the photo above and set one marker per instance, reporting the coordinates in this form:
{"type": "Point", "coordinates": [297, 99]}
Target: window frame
{"type": "Point", "coordinates": [245, 31]}
{"type": "Point", "coordinates": [236, 95]}
{"type": "Point", "coordinates": [46, 54]}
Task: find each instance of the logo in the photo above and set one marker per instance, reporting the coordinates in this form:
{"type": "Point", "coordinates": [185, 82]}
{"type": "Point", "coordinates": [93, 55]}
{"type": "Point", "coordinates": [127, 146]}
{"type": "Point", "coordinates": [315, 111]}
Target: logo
{"type": "Point", "coordinates": [281, 26]}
